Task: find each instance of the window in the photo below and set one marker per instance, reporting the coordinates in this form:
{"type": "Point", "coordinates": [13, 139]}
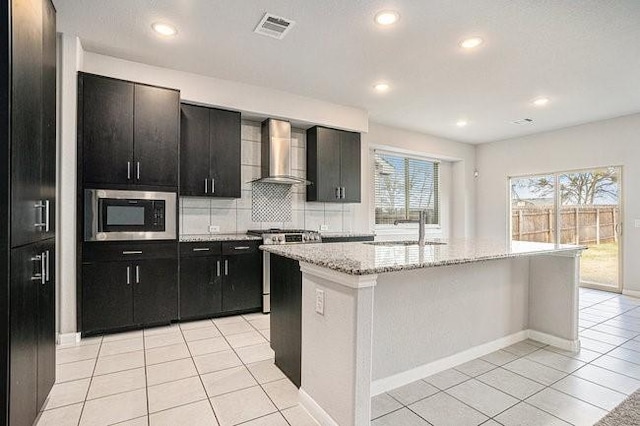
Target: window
{"type": "Point", "coordinates": [405, 185]}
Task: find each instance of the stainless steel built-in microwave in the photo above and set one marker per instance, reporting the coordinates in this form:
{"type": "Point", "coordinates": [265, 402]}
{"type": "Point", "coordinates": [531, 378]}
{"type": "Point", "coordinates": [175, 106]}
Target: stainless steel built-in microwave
{"type": "Point", "coordinates": [113, 215]}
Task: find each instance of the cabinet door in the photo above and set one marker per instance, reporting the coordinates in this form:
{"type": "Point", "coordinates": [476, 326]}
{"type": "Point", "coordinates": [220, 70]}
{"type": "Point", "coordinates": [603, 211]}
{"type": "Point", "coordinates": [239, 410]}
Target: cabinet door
{"type": "Point", "coordinates": [107, 295]}
{"type": "Point", "coordinates": [225, 153]}
{"type": "Point", "coordinates": [350, 158]}
{"type": "Point", "coordinates": [324, 165]}
{"type": "Point", "coordinates": [26, 121]}
{"type": "Point", "coordinates": [48, 188]}
{"type": "Point", "coordinates": [25, 280]}
{"type": "Point", "coordinates": [242, 282]}
{"type": "Point", "coordinates": [47, 323]}
{"type": "Point", "coordinates": [156, 137]}
{"type": "Point", "coordinates": [155, 296]}
{"type": "Point", "coordinates": [194, 151]}
{"type": "Point", "coordinates": [200, 286]}
{"type": "Point", "coordinates": [107, 130]}
{"type": "Point", "coordinates": [286, 316]}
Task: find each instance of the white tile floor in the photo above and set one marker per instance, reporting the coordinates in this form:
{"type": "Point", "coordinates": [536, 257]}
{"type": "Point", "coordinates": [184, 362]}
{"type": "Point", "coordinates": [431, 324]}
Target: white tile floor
{"type": "Point", "coordinates": [530, 383]}
{"type": "Point", "coordinates": [222, 372]}
{"type": "Point", "coordinates": [211, 372]}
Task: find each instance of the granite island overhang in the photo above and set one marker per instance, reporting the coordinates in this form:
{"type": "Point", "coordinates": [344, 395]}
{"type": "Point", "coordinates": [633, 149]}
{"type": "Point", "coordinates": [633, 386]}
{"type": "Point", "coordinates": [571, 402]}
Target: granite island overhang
{"type": "Point", "coordinates": [395, 312]}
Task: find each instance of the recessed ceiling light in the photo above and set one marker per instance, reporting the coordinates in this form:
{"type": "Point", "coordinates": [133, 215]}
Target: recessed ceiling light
{"type": "Point", "coordinates": [471, 42]}
{"type": "Point", "coordinates": [164, 29]}
{"type": "Point", "coordinates": [381, 87]}
{"type": "Point", "coordinates": [541, 101]}
{"type": "Point", "coordinates": [461, 123]}
{"type": "Point", "coordinates": [387, 17]}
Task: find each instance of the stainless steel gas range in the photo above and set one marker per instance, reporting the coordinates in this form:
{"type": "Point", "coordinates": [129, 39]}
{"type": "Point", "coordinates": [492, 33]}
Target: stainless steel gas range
{"type": "Point", "coordinates": [279, 236]}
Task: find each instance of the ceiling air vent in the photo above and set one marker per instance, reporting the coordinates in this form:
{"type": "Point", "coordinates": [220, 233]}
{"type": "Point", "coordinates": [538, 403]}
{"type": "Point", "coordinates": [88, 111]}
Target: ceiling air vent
{"type": "Point", "coordinates": [522, 122]}
{"type": "Point", "coordinates": [274, 26]}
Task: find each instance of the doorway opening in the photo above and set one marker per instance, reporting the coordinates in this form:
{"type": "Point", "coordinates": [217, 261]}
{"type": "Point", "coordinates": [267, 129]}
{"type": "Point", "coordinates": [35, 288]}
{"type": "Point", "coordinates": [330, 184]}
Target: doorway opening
{"type": "Point", "coordinates": [576, 207]}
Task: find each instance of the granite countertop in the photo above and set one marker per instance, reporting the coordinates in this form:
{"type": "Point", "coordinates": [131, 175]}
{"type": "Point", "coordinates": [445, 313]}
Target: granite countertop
{"type": "Point", "coordinates": [217, 237]}
{"type": "Point", "coordinates": [366, 259]}
{"type": "Point", "coordinates": [346, 234]}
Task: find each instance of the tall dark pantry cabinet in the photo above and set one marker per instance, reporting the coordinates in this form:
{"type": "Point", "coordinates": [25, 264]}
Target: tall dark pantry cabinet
{"type": "Point", "coordinates": [27, 207]}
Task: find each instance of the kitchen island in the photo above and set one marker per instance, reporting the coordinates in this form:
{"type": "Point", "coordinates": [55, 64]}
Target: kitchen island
{"type": "Point", "coordinates": [379, 315]}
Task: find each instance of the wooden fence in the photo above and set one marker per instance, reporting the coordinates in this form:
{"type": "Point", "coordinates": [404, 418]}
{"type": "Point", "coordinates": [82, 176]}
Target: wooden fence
{"type": "Point", "coordinates": [580, 224]}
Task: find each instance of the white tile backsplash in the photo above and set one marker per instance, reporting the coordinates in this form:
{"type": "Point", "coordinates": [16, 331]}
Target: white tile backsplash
{"type": "Point", "coordinates": [197, 214]}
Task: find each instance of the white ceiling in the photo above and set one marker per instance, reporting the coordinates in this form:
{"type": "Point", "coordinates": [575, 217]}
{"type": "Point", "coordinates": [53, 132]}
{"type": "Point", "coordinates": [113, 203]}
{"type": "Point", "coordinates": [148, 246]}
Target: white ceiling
{"type": "Point", "coordinates": [583, 54]}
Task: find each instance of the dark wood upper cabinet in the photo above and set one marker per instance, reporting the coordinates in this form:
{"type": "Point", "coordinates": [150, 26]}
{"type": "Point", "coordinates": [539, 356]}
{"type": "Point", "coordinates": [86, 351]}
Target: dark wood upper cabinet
{"type": "Point", "coordinates": [156, 135]}
{"type": "Point", "coordinates": [194, 150]}
{"type": "Point", "coordinates": [26, 121]}
{"type": "Point", "coordinates": [333, 165]}
{"type": "Point", "coordinates": [129, 132]}
{"type": "Point", "coordinates": [106, 124]}
{"type": "Point", "coordinates": [224, 136]}
{"type": "Point", "coordinates": [210, 152]}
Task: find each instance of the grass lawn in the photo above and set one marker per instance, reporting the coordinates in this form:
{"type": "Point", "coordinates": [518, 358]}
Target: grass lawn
{"type": "Point", "coordinates": [599, 264]}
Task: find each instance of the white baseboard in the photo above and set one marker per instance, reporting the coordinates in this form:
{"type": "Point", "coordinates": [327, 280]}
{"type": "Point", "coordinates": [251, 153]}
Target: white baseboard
{"type": "Point", "coordinates": [68, 338]}
{"type": "Point", "coordinates": [317, 412]}
{"type": "Point", "coordinates": [392, 382]}
{"type": "Point", "coordinates": [632, 293]}
{"type": "Point", "coordinates": [558, 342]}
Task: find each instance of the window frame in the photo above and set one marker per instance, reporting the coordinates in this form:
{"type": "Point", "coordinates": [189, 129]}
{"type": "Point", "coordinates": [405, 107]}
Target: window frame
{"type": "Point", "coordinates": [405, 227]}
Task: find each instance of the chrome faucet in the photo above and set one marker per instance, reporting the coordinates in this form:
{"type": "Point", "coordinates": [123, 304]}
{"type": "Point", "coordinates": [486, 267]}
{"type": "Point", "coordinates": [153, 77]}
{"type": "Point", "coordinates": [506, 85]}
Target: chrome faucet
{"type": "Point", "coordinates": [422, 220]}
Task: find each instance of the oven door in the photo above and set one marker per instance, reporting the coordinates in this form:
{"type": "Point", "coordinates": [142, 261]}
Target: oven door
{"type": "Point", "coordinates": [112, 215]}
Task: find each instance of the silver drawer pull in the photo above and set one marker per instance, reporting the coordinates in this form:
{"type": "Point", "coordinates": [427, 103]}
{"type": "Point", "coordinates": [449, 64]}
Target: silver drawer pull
{"type": "Point", "coordinates": [202, 249]}
{"type": "Point", "coordinates": [242, 248]}
{"type": "Point", "coordinates": [132, 252]}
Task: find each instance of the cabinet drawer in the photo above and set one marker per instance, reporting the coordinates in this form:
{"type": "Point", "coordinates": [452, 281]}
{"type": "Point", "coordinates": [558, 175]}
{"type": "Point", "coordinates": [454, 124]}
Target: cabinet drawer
{"type": "Point", "coordinates": [239, 247]}
{"type": "Point", "coordinates": [202, 249]}
{"type": "Point", "coordinates": [100, 251]}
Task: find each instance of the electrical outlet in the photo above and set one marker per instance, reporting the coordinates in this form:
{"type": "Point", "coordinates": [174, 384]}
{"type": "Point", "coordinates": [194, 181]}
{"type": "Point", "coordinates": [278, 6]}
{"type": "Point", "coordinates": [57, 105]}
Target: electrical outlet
{"type": "Point", "coordinates": [214, 228]}
{"type": "Point", "coordinates": [324, 227]}
{"type": "Point", "coordinates": [319, 301]}
{"type": "Point", "coordinates": [637, 223]}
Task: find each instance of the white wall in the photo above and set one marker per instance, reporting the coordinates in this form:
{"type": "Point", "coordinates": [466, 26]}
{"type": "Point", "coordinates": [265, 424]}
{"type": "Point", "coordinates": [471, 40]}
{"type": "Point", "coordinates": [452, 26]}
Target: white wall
{"type": "Point", "coordinates": [247, 98]}
{"type": "Point", "coordinates": [457, 183]}
{"type": "Point", "coordinates": [70, 61]}
{"type": "Point", "coordinates": [614, 142]}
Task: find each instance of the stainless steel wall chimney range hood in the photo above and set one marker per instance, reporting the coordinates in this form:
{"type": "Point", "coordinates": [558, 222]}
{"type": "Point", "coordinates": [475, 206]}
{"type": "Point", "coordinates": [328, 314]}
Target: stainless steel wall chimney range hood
{"type": "Point", "coordinates": [276, 154]}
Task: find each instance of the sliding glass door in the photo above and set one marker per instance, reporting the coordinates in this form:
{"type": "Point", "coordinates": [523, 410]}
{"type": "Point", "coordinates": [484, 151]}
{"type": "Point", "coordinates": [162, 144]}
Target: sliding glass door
{"type": "Point", "coordinates": [577, 207]}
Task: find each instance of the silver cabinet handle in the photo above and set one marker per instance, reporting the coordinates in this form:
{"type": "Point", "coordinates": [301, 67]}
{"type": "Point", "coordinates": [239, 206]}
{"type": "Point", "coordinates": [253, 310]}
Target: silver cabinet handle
{"type": "Point", "coordinates": [127, 252]}
{"type": "Point", "coordinates": [242, 248]}
{"type": "Point", "coordinates": [137, 274]}
{"type": "Point", "coordinates": [218, 268]}
{"type": "Point", "coordinates": [338, 192]}
{"type": "Point", "coordinates": [42, 206]}
{"type": "Point", "coordinates": [128, 275]}
{"type": "Point", "coordinates": [128, 170]}
{"type": "Point", "coordinates": [226, 267]}
{"type": "Point", "coordinates": [138, 169]}
{"type": "Point", "coordinates": [206, 186]}
{"type": "Point", "coordinates": [45, 267]}
{"type": "Point", "coordinates": [48, 271]}
{"type": "Point", "coordinates": [46, 215]}
{"type": "Point", "coordinates": [344, 192]}
{"type": "Point", "coordinates": [201, 249]}
{"type": "Point", "coordinates": [213, 185]}
{"type": "Point", "coordinates": [38, 276]}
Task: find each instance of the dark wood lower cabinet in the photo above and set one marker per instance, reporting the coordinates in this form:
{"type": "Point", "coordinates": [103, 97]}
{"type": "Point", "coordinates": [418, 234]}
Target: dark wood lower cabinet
{"type": "Point", "coordinates": [220, 278]}
{"type": "Point", "coordinates": [155, 294]}
{"type": "Point", "coordinates": [107, 296]}
{"type": "Point", "coordinates": [23, 373]}
{"type": "Point", "coordinates": [286, 316]}
{"type": "Point", "coordinates": [200, 286]}
{"type": "Point", "coordinates": [242, 283]}
{"type": "Point", "coordinates": [32, 330]}
{"type": "Point", "coordinates": [47, 323]}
